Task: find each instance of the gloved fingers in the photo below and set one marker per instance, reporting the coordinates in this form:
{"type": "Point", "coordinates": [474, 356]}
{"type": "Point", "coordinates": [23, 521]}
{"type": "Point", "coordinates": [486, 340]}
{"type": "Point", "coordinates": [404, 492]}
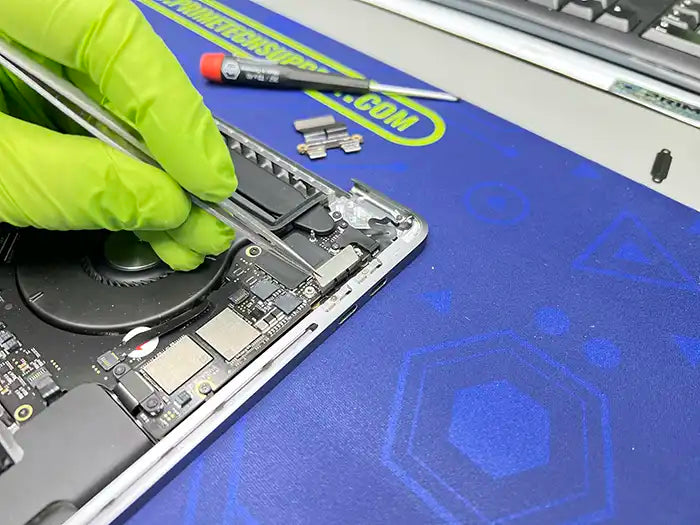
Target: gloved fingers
{"type": "Point", "coordinates": [174, 254]}
{"type": "Point", "coordinates": [83, 82]}
{"type": "Point", "coordinates": [3, 101]}
{"type": "Point", "coordinates": [185, 247]}
{"type": "Point", "coordinates": [22, 101]}
{"type": "Point", "coordinates": [63, 182]}
{"type": "Point", "coordinates": [203, 233]}
{"type": "Point", "coordinates": [112, 42]}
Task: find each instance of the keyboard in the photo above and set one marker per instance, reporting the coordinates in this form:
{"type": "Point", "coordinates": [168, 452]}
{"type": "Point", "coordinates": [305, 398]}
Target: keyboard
{"type": "Point", "coordinates": [658, 38]}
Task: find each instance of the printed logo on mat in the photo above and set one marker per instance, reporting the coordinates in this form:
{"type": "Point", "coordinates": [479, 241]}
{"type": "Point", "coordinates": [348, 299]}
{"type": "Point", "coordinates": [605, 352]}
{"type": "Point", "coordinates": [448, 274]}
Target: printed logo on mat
{"type": "Point", "coordinates": [490, 429]}
{"type": "Point", "coordinates": [395, 118]}
{"type": "Point", "coordinates": [439, 300]}
{"type": "Point", "coordinates": [497, 203]}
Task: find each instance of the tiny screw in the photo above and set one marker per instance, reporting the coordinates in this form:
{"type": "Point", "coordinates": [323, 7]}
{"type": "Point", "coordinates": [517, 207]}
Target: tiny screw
{"type": "Point", "coordinates": [120, 370]}
{"type": "Point", "coordinates": [152, 403]}
{"type": "Point", "coordinates": [336, 215]}
{"type": "Point", "coordinates": [204, 389]}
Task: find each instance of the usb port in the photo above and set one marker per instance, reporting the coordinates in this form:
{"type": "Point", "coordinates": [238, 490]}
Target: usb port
{"type": "Point", "coordinates": [347, 315]}
{"type": "Point", "coordinates": [377, 287]}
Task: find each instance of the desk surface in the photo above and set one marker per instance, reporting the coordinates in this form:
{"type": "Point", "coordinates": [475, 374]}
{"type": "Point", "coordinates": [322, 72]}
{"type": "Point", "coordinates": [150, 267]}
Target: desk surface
{"type": "Point", "coordinates": [620, 135]}
{"type": "Point", "coordinates": [539, 362]}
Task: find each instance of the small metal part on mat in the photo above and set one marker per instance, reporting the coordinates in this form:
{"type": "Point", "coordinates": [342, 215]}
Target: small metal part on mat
{"type": "Point", "coordinates": [662, 163]}
{"type": "Point", "coordinates": [323, 133]}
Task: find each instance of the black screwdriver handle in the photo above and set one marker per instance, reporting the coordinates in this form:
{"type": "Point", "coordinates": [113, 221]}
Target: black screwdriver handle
{"type": "Point", "coordinates": [270, 74]}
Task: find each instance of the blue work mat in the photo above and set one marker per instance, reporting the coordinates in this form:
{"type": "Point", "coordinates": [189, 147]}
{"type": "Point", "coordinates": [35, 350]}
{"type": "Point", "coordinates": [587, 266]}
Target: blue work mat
{"type": "Point", "coordinates": [539, 362]}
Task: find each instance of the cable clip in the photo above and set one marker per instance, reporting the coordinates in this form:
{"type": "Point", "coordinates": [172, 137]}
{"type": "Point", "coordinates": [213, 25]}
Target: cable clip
{"type": "Point", "coordinates": [323, 133]}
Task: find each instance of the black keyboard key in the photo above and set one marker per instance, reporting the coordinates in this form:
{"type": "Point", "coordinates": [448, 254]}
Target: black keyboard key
{"type": "Point", "coordinates": [689, 18]}
{"type": "Point", "coordinates": [676, 38]}
{"type": "Point", "coordinates": [555, 5]}
{"type": "Point", "coordinates": [586, 9]}
{"type": "Point", "coordinates": [678, 19]}
{"type": "Point", "coordinates": [618, 18]}
{"type": "Point", "coordinates": [692, 10]}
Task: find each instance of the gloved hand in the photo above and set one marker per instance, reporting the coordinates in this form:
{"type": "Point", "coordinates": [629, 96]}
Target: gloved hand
{"type": "Point", "coordinates": [54, 180]}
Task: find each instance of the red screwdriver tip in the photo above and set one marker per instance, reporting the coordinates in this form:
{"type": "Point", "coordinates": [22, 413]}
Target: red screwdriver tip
{"type": "Point", "coordinates": [210, 66]}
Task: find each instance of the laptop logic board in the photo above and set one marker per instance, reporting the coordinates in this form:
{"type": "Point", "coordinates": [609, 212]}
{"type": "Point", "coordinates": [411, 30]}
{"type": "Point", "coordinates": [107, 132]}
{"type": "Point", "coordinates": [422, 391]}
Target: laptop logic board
{"type": "Point", "coordinates": [98, 338]}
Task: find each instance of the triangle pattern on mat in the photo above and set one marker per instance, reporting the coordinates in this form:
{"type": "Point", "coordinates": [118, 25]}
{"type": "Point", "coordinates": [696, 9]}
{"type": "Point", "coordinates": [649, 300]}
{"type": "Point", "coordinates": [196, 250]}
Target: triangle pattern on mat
{"type": "Point", "coordinates": [627, 249]}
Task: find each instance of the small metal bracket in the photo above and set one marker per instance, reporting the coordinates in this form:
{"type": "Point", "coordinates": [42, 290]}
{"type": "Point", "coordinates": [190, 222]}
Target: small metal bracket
{"type": "Point", "coordinates": [322, 133]}
{"type": "Point", "coordinates": [661, 166]}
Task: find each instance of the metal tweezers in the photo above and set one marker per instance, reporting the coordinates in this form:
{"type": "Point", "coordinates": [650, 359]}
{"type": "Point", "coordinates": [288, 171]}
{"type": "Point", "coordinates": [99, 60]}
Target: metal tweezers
{"type": "Point", "coordinates": [113, 131]}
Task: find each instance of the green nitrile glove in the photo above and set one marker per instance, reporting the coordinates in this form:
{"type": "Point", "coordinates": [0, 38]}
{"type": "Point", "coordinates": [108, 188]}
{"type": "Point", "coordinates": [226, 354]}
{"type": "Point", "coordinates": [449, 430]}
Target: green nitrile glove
{"type": "Point", "coordinates": [53, 178]}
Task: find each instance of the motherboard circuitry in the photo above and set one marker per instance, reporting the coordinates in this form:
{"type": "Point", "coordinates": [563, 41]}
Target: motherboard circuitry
{"type": "Point", "coordinates": [162, 342]}
{"type": "Point", "coordinates": [188, 356]}
{"type": "Point", "coordinates": [26, 380]}
{"type": "Point", "coordinates": [258, 310]}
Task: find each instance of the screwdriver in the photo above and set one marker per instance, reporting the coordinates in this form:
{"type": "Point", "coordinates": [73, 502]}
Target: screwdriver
{"type": "Point", "coordinates": [227, 69]}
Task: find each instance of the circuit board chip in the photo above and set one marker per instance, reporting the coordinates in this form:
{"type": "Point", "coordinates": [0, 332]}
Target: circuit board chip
{"type": "Point", "coordinates": [108, 360]}
{"type": "Point", "coordinates": [264, 289]}
{"type": "Point", "coordinates": [228, 333]}
{"type": "Point", "coordinates": [180, 361]}
{"type": "Point", "coordinates": [287, 303]}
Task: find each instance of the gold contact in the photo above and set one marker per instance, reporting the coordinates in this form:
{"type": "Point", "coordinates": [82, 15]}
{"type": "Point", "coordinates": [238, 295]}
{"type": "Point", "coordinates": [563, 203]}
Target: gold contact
{"type": "Point", "coordinates": [23, 413]}
{"type": "Point", "coordinates": [253, 251]}
{"type": "Point", "coordinates": [204, 388]}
